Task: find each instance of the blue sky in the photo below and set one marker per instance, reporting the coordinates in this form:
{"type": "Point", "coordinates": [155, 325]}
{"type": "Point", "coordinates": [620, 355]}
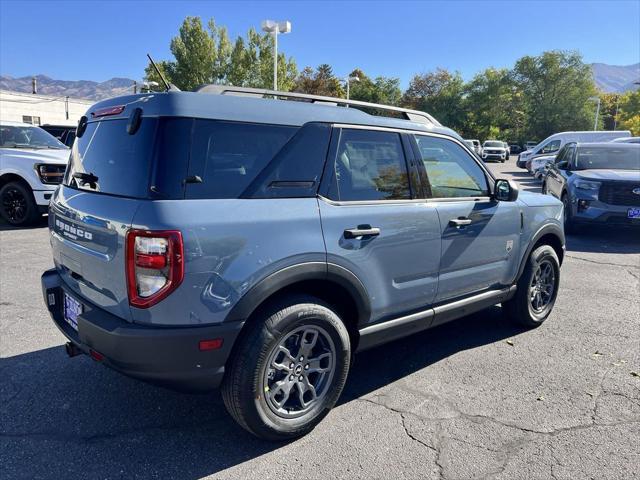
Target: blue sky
{"type": "Point", "coordinates": [92, 40]}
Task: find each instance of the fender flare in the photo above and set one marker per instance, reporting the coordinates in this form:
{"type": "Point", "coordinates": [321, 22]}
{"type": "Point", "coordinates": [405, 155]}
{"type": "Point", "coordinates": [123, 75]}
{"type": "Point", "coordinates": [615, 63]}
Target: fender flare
{"type": "Point", "coordinates": [548, 229]}
{"type": "Point", "coordinates": [293, 274]}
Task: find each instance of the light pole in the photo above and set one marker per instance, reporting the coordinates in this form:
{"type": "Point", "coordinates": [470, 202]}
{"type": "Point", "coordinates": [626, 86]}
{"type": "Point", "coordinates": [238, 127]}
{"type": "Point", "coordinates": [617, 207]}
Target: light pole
{"type": "Point", "coordinates": [273, 27]}
{"type": "Point", "coordinates": [595, 123]}
{"type": "Point", "coordinates": [348, 80]}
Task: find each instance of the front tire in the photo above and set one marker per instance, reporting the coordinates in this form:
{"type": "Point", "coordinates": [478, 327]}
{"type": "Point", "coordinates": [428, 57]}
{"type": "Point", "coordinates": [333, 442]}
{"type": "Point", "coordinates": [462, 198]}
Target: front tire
{"type": "Point", "coordinates": [537, 288]}
{"type": "Point", "coordinates": [17, 205]}
{"type": "Point", "coordinates": [289, 370]}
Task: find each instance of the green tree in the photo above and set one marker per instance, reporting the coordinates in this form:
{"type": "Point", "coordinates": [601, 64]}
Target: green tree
{"type": "Point", "coordinates": [493, 106]}
{"type": "Point", "coordinates": [629, 113]}
{"type": "Point", "coordinates": [195, 53]}
{"type": "Point", "coordinates": [439, 93]}
{"type": "Point", "coordinates": [321, 81]}
{"type": "Point", "coordinates": [556, 87]}
{"type": "Point", "coordinates": [151, 76]}
{"type": "Point", "coordinates": [383, 90]}
{"type": "Point", "coordinates": [208, 56]}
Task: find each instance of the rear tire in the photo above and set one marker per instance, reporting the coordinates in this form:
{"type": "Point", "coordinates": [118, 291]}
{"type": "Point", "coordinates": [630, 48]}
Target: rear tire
{"type": "Point", "coordinates": [17, 205]}
{"type": "Point", "coordinates": [537, 288]}
{"type": "Point", "coordinates": [288, 371]}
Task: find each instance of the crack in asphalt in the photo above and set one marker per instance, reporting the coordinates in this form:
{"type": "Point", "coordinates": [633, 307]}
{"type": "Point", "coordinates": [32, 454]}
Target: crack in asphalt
{"type": "Point", "coordinates": [510, 448]}
{"type": "Point", "coordinates": [600, 263]}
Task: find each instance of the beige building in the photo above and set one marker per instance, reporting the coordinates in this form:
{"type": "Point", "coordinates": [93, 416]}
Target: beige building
{"type": "Point", "coordinates": [41, 109]}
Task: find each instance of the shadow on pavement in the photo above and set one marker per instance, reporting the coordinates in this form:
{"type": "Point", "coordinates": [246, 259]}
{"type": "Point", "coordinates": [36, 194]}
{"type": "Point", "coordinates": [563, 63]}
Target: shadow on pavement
{"type": "Point", "coordinates": [63, 415]}
{"type": "Point", "coordinates": [41, 222]}
{"type": "Point", "coordinates": [604, 239]}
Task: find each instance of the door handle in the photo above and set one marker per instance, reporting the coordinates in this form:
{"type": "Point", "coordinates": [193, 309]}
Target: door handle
{"type": "Point", "coordinates": [460, 222]}
{"type": "Point", "coordinates": [362, 231]}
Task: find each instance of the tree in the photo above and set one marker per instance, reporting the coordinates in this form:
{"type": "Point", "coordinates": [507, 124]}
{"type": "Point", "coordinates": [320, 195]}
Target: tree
{"type": "Point", "coordinates": [440, 94]}
{"type": "Point", "coordinates": [150, 75]}
{"type": "Point", "coordinates": [556, 87]}
{"type": "Point", "coordinates": [493, 106]}
{"type": "Point", "coordinates": [195, 54]}
{"type": "Point", "coordinates": [629, 113]}
{"type": "Point", "coordinates": [208, 56]}
{"type": "Point", "coordinates": [322, 81]}
{"type": "Point", "coordinates": [383, 90]}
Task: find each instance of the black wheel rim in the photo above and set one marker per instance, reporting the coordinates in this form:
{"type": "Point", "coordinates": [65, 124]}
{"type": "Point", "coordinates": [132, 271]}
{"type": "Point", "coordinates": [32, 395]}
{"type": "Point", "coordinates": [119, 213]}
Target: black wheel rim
{"type": "Point", "coordinates": [299, 371]}
{"type": "Point", "coordinates": [14, 205]}
{"type": "Point", "coordinates": [542, 286]}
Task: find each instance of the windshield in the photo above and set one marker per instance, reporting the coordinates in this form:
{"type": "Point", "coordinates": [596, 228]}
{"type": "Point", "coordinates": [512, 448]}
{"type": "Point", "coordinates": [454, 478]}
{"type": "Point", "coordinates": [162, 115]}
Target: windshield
{"type": "Point", "coordinates": [493, 144]}
{"type": "Point", "coordinates": [614, 158]}
{"type": "Point", "coordinates": [27, 137]}
{"type": "Point", "coordinates": [469, 143]}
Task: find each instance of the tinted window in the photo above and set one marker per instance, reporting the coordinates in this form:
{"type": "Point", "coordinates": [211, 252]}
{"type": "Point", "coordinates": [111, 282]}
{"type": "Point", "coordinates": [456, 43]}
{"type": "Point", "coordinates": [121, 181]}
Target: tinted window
{"type": "Point", "coordinates": [451, 171]}
{"type": "Point", "coordinates": [551, 147]}
{"type": "Point", "coordinates": [228, 156]}
{"type": "Point", "coordinates": [369, 165]}
{"type": "Point", "coordinates": [295, 171]}
{"type": "Point", "coordinates": [107, 159]}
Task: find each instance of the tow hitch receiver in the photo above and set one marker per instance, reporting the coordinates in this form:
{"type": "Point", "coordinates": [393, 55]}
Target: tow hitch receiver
{"type": "Point", "coordinates": [72, 350]}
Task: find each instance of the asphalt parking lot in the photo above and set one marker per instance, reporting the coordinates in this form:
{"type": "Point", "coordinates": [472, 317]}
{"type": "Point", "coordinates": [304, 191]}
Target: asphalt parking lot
{"type": "Point", "coordinates": [476, 398]}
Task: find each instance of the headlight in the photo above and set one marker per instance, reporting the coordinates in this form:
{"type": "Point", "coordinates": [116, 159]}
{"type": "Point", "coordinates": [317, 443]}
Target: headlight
{"type": "Point", "coordinates": [587, 185]}
{"type": "Point", "coordinates": [51, 174]}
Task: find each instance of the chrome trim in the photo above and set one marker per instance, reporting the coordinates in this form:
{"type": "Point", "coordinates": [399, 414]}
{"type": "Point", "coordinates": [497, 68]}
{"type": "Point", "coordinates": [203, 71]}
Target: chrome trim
{"type": "Point", "coordinates": [378, 327]}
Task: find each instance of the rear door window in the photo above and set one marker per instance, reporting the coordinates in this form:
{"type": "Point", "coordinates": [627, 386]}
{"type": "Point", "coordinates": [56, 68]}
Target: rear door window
{"type": "Point", "coordinates": [228, 156]}
{"type": "Point", "coordinates": [369, 165]}
{"type": "Point", "coordinates": [551, 147]}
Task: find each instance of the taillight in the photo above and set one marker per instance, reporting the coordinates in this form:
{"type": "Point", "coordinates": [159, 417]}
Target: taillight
{"type": "Point", "coordinates": [155, 265]}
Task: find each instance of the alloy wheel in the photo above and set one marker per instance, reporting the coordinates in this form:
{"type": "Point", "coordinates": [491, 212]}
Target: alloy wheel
{"type": "Point", "coordinates": [542, 286]}
{"type": "Point", "coordinates": [299, 371]}
{"type": "Point", "coordinates": [14, 205]}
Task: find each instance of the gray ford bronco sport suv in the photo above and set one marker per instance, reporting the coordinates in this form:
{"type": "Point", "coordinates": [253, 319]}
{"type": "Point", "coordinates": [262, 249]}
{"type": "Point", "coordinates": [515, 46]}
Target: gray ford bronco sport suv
{"type": "Point", "coordinates": [225, 238]}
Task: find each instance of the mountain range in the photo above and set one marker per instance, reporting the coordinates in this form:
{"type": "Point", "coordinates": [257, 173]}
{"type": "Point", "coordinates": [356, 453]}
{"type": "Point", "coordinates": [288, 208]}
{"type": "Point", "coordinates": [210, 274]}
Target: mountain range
{"type": "Point", "coordinates": [608, 78]}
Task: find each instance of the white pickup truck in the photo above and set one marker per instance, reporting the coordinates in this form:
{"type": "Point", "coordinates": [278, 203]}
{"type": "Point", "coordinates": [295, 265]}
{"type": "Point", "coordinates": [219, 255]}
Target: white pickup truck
{"type": "Point", "coordinates": [32, 164]}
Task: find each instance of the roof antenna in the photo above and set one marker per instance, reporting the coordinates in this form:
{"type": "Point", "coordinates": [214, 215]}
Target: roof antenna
{"type": "Point", "coordinates": [167, 86]}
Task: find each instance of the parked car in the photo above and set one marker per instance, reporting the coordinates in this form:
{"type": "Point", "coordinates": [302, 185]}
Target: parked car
{"type": "Point", "coordinates": [514, 149]}
{"type": "Point", "coordinates": [494, 150]}
{"type": "Point", "coordinates": [538, 166]}
{"type": "Point", "coordinates": [65, 133]}
{"type": "Point", "coordinates": [597, 183]}
{"type": "Point", "coordinates": [193, 248]}
{"type": "Point", "coordinates": [477, 147]}
{"type": "Point", "coordinates": [626, 140]}
{"type": "Point", "coordinates": [508, 150]}
{"type": "Point", "coordinates": [555, 142]}
{"type": "Point", "coordinates": [32, 164]}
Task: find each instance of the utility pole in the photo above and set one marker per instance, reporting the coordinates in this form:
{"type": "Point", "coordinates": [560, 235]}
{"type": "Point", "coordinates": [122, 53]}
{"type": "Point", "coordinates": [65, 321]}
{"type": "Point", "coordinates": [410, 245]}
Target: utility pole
{"type": "Point", "coordinates": [135, 87]}
{"type": "Point", "coordinates": [34, 85]}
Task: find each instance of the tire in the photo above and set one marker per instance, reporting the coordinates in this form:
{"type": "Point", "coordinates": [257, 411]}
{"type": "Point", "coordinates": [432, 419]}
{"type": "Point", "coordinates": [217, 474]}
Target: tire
{"type": "Point", "coordinates": [17, 205]}
{"type": "Point", "coordinates": [569, 225]}
{"type": "Point", "coordinates": [522, 308]}
{"type": "Point", "coordinates": [264, 359]}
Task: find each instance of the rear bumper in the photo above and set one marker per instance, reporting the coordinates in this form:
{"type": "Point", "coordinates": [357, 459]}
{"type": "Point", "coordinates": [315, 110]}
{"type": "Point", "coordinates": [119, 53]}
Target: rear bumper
{"type": "Point", "coordinates": [166, 356]}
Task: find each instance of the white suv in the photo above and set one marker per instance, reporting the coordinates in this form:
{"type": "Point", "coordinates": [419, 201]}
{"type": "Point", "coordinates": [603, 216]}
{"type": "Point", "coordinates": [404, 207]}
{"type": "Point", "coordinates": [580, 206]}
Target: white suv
{"type": "Point", "coordinates": [494, 150]}
{"type": "Point", "coordinates": [32, 164]}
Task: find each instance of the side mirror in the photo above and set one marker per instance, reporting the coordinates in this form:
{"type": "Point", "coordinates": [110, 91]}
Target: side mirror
{"type": "Point", "coordinates": [564, 165]}
{"type": "Point", "coordinates": [505, 190]}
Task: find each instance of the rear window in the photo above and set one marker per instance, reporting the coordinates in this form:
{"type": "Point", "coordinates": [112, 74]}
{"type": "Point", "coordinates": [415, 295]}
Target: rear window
{"type": "Point", "coordinates": [106, 159]}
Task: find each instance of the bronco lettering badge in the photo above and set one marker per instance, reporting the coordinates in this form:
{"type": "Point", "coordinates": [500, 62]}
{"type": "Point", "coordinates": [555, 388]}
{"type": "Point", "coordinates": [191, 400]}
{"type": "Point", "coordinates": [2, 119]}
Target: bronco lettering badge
{"type": "Point", "coordinates": [73, 232]}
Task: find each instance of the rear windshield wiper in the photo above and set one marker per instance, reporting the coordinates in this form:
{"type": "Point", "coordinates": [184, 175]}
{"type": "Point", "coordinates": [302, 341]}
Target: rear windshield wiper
{"type": "Point", "coordinates": [85, 178]}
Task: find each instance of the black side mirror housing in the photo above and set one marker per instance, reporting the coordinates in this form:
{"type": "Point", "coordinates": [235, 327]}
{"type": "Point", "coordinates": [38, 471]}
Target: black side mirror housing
{"type": "Point", "coordinates": [505, 190]}
{"type": "Point", "coordinates": [564, 165]}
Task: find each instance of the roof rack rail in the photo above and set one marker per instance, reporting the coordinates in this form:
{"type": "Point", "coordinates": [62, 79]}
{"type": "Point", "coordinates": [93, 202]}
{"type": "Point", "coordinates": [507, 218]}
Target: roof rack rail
{"type": "Point", "coordinates": [407, 114]}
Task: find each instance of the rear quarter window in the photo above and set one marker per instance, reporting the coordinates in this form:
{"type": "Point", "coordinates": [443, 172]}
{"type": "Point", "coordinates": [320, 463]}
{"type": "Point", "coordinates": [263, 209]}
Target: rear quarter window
{"type": "Point", "coordinates": [228, 156]}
